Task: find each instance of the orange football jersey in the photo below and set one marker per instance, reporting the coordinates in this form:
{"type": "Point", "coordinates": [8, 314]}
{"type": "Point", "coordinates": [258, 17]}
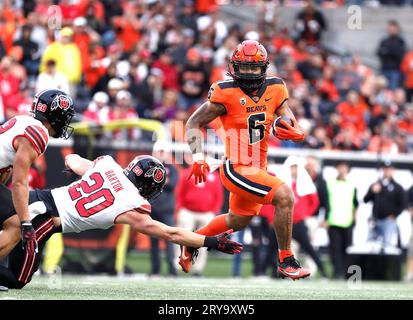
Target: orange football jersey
{"type": "Point", "coordinates": [248, 118]}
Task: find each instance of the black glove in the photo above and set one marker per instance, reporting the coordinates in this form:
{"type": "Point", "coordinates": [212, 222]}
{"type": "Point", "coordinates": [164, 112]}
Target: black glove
{"type": "Point", "coordinates": [223, 244]}
{"type": "Point", "coordinates": [29, 241]}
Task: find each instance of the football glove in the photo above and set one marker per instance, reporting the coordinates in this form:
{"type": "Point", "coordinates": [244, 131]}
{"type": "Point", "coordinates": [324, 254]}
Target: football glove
{"type": "Point", "coordinates": [200, 170]}
{"type": "Point", "coordinates": [29, 242]}
{"type": "Point", "coordinates": [222, 243]}
{"type": "Point", "coordinates": [294, 132]}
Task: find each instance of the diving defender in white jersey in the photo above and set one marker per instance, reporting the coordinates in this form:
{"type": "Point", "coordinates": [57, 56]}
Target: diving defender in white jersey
{"type": "Point", "coordinates": [105, 195]}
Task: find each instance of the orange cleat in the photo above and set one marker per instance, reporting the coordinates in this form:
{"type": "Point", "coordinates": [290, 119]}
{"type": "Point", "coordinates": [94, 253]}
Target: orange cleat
{"type": "Point", "coordinates": [291, 268]}
{"type": "Point", "coordinates": [187, 258]}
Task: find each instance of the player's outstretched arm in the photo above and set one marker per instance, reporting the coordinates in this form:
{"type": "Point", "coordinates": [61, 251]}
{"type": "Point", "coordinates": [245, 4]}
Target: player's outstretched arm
{"type": "Point", "coordinates": [292, 132]}
{"type": "Point", "coordinates": [145, 224]}
{"type": "Point", "coordinates": [78, 164]}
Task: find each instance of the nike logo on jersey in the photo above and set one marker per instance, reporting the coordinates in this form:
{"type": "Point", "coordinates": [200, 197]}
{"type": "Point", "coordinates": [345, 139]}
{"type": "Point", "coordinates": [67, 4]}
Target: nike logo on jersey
{"type": "Point", "coordinates": [267, 99]}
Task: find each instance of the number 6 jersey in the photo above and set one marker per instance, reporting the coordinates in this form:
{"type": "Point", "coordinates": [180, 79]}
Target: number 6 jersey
{"type": "Point", "coordinates": [248, 118]}
{"type": "Point", "coordinates": [98, 198]}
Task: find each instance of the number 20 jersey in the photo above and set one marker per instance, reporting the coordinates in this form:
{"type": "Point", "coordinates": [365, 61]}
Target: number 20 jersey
{"type": "Point", "coordinates": [98, 198]}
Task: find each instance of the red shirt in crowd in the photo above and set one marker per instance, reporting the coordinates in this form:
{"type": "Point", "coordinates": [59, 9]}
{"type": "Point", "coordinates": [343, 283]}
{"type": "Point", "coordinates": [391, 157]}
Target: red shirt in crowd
{"type": "Point", "coordinates": [352, 115]}
{"type": "Point", "coordinates": [71, 10]}
{"type": "Point", "coordinates": [9, 86]}
{"type": "Point", "coordinates": [304, 207]}
{"type": "Point", "coordinates": [83, 40]}
{"type": "Point", "coordinates": [19, 104]}
{"type": "Point", "coordinates": [170, 75]}
{"type": "Point", "coordinates": [329, 88]}
{"type": "Point", "coordinates": [267, 211]}
{"type": "Point", "coordinates": [203, 197]}
{"type": "Point", "coordinates": [129, 33]}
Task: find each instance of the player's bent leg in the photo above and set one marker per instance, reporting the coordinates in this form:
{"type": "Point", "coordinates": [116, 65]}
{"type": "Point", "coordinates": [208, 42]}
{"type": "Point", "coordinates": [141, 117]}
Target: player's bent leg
{"type": "Point", "coordinates": [283, 201]}
{"type": "Point", "coordinates": [237, 222]}
{"type": "Point", "coordinates": [10, 235]}
{"type": "Point", "coordinates": [242, 211]}
{"type": "Point", "coordinates": [288, 266]}
{"type": "Point", "coordinates": [22, 264]}
{"type": "Point", "coordinates": [9, 280]}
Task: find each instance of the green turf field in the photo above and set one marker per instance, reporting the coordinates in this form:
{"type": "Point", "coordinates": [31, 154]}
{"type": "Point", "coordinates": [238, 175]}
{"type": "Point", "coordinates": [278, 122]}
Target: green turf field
{"type": "Point", "coordinates": [139, 287]}
{"type": "Point", "coordinates": [217, 284]}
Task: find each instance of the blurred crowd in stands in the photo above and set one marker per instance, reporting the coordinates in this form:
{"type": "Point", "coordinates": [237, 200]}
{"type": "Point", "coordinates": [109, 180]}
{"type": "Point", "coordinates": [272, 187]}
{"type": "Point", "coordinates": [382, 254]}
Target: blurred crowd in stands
{"type": "Point", "coordinates": [156, 59]}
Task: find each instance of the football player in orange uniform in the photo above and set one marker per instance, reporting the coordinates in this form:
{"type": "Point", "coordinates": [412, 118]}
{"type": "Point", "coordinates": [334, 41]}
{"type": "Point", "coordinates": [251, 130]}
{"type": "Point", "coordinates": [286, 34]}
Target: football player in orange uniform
{"type": "Point", "coordinates": [247, 105]}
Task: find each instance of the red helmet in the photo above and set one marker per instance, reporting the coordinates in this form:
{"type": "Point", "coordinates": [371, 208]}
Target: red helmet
{"type": "Point", "coordinates": [249, 53]}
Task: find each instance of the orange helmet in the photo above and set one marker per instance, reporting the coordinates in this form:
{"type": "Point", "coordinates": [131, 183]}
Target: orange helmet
{"type": "Point", "coordinates": [249, 53]}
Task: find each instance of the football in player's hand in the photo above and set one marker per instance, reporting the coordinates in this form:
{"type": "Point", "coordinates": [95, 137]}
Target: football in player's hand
{"type": "Point", "coordinates": [278, 123]}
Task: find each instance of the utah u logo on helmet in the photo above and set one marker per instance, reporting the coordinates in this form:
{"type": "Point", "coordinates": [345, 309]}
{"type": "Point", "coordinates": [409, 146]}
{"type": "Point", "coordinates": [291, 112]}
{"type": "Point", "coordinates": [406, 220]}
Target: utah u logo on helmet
{"type": "Point", "coordinates": [156, 173]}
{"type": "Point", "coordinates": [61, 102]}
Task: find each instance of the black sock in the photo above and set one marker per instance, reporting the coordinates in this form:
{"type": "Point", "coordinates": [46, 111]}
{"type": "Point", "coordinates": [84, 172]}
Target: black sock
{"type": "Point", "coordinates": [8, 279]}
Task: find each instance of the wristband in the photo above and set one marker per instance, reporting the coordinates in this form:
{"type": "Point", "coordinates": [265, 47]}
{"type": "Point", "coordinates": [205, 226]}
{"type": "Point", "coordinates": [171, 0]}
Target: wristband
{"type": "Point", "coordinates": [211, 242]}
{"type": "Point", "coordinates": [198, 156]}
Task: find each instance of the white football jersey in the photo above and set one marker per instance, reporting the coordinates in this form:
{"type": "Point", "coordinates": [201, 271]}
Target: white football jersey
{"type": "Point", "coordinates": [98, 198]}
{"type": "Point", "coordinates": [21, 126]}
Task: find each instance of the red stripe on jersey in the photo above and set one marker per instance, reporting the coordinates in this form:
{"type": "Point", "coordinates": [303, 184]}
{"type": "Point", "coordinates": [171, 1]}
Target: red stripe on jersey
{"type": "Point", "coordinates": [37, 138]}
{"type": "Point", "coordinates": [30, 265]}
{"type": "Point", "coordinates": [47, 223]}
{"type": "Point", "coordinates": [32, 142]}
{"type": "Point", "coordinates": [145, 209]}
{"type": "Point", "coordinates": [24, 266]}
{"type": "Point", "coordinates": [44, 134]}
{"type": "Point", "coordinates": [45, 232]}
{"type": "Point", "coordinates": [29, 261]}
